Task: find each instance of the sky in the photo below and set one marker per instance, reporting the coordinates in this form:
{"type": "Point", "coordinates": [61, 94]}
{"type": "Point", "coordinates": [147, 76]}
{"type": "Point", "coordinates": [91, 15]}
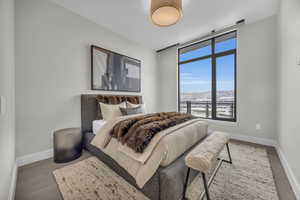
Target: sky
{"type": "Point", "coordinates": [196, 76]}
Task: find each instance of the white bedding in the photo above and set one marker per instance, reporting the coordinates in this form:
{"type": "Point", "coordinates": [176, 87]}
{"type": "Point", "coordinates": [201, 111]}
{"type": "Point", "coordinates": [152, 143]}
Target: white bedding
{"type": "Point", "coordinates": [97, 125]}
{"type": "Point", "coordinates": [162, 150]}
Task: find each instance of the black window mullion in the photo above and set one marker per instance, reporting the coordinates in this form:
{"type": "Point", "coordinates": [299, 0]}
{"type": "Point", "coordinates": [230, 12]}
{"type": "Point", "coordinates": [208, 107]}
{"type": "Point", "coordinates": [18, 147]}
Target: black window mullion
{"type": "Point", "coordinates": [213, 86]}
{"type": "Point", "coordinates": [235, 87]}
{"type": "Point", "coordinates": [178, 83]}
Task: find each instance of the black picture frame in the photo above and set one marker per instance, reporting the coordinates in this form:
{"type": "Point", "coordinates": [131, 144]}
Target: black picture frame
{"type": "Point", "coordinates": [111, 71]}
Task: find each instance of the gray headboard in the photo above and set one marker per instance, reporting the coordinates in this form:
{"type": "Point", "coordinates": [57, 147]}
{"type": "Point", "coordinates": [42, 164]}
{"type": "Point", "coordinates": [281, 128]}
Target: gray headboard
{"type": "Point", "coordinates": [90, 109]}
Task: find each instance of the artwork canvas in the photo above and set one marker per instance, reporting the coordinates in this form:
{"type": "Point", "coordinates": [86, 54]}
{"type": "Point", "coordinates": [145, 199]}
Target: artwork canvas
{"type": "Point", "coordinates": [114, 72]}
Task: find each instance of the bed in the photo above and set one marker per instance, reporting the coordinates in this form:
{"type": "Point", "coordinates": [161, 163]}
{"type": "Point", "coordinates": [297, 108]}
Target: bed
{"type": "Point", "coordinates": [167, 181]}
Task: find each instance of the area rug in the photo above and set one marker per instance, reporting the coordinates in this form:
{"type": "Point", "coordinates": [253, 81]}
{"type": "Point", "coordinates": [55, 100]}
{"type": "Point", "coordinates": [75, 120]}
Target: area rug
{"type": "Point", "coordinates": [91, 179]}
{"type": "Point", "coordinates": [248, 178]}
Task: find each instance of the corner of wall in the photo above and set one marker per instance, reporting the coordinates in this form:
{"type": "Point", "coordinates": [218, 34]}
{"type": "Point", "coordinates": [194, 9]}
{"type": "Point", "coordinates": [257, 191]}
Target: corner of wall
{"type": "Point", "coordinates": [290, 174]}
{"type": "Point", "coordinates": [13, 184]}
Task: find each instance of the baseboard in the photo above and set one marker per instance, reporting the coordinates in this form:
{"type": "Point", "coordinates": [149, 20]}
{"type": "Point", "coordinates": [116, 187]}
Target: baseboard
{"type": "Point", "coordinates": [256, 140]}
{"type": "Point", "coordinates": [31, 158]}
{"type": "Point", "coordinates": [12, 189]}
{"type": "Point", "coordinates": [292, 179]}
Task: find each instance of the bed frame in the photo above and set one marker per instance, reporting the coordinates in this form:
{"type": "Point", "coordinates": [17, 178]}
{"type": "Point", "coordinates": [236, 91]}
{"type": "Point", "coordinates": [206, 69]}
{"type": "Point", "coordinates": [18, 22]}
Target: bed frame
{"type": "Point", "coordinates": [167, 183]}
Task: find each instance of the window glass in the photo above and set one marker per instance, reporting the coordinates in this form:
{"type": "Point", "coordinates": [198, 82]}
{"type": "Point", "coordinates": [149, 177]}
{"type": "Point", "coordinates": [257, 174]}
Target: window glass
{"type": "Point", "coordinates": [225, 71]}
{"type": "Point", "coordinates": [225, 42]}
{"type": "Point", "coordinates": [195, 51]}
{"type": "Point", "coordinates": [195, 87]}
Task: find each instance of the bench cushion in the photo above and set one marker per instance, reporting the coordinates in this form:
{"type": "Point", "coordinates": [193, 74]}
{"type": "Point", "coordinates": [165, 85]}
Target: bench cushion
{"type": "Point", "coordinates": [201, 158]}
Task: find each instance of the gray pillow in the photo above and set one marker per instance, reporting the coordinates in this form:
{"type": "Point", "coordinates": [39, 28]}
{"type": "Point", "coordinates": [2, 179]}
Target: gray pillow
{"type": "Point", "coordinates": [132, 111]}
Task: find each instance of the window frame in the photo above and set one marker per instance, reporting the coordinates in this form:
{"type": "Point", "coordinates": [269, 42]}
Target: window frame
{"type": "Point", "coordinates": [213, 57]}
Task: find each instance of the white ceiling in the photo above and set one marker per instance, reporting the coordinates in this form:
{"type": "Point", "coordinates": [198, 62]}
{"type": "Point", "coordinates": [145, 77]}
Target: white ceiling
{"type": "Point", "coordinates": [130, 18]}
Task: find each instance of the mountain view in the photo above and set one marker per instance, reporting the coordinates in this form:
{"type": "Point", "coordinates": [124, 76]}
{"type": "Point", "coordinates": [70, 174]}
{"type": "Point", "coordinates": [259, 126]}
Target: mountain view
{"type": "Point", "coordinates": [222, 96]}
{"type": "Point", "coordinates": [201, 103]}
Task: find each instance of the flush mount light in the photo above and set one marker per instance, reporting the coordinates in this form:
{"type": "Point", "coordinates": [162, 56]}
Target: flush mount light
{"type": "Point", "coordinates": [166, 12]}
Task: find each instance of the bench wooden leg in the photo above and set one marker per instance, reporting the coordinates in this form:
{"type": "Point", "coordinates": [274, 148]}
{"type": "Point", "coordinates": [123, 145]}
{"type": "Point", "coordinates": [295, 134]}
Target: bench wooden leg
{"type": "Point", "coordinates": [185, 184]}
{"type": "Point", "coordinates": [205, 186]}
{"type": "Point", "coordinates": [229, 154]}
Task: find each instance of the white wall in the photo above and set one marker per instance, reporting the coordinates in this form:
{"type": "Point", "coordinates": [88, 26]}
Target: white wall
{"type": "Point", "coordinates": [7, 132]}
{"type": "Point", "coordinates": [53, 69]}
{"type": "Point", "coordinates": [289, 76]}
{"type": "Point", "coordinates": [256, 80]}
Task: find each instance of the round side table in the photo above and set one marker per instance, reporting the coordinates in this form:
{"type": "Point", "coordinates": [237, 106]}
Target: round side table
{"type": "Point", "coordinates": [67, 144]}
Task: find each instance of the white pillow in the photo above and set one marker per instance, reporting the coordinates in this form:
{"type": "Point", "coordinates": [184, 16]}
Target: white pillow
{"type": "Point", "coordinates": [132, 105]}
{"type": "Point", "coordinates": [97, 125]}
{"type": "Point", "coordinates": [111, 111]}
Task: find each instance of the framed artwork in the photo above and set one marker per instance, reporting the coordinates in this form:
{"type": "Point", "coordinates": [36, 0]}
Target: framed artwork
{"type": "Point", "coordinates": [114, 72]}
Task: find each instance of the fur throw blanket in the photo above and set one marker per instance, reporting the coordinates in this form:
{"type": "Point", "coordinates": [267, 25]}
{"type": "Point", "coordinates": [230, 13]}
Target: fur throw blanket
{"type": "Point", "coordinates": [137, 132]}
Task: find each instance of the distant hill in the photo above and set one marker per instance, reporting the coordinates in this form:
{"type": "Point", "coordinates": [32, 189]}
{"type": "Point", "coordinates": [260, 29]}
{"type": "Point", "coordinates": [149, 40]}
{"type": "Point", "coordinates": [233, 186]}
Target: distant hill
{"type": "Point", "coordinates": [223, 95]}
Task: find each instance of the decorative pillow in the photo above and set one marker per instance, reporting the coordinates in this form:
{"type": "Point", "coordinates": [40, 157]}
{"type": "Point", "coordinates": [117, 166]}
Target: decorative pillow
{"type": "Point", "coordinates": [97, 125]}
{"type": "Point", "coordinates": [131, 111]}
{"type": "Point", "coordinates": [111, 111]}
{"type": "Point", "coordinates": [131, 105]}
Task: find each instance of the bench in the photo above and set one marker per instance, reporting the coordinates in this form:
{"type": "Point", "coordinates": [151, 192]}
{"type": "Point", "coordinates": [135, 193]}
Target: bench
{"type": "Point", "coordinates": [202, 158]}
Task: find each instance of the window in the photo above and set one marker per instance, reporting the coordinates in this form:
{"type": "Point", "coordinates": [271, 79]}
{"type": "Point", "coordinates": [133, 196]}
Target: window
{"type": "Point", "coordinates": [207, 78]}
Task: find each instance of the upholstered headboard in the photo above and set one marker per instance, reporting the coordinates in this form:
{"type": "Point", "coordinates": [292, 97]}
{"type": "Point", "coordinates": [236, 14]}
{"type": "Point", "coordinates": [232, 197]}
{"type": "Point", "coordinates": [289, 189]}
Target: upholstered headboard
{"type": "Point", "coordinates": [90, 109]}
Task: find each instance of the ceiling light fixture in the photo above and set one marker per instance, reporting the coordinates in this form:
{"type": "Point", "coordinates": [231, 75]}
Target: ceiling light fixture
{"type": "Point", "coordinates": [166, 12]}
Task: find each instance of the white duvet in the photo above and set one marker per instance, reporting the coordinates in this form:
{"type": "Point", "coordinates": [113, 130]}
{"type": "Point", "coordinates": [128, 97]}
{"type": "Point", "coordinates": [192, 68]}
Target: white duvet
{"type": "Point", "coordinates": [163, 149]}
